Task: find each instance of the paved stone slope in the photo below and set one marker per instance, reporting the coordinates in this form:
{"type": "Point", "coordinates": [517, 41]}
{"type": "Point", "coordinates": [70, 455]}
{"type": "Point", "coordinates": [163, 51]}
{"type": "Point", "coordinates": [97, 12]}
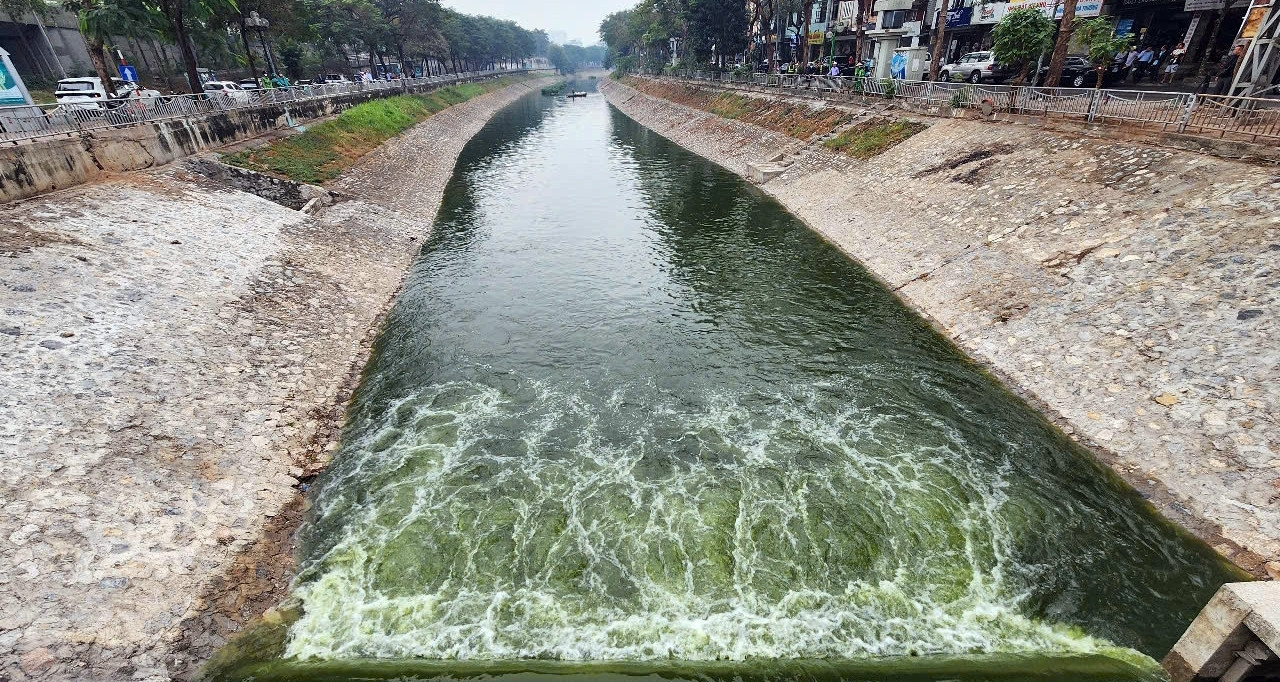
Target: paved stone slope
{"type": "Point", "coordinates": [174, 357]}
{"type": "Point", "coordinates": [1126, 290]}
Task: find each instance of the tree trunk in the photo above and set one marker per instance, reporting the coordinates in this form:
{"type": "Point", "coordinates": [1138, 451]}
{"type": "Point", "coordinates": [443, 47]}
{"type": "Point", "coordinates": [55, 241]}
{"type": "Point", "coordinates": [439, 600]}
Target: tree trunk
{"type": "Point", "coordinates": [1065, 30]}
{"type": "Point", "coordinates": [1098, 84]}
{"type": "Point", "coordinates": [940, 52]}
{"type": "Point", "coordinates": [97, 55]}
{"type": "Point", "coordinates": [808, 14]}
{"type": "Point", "coordinates": [248, 51]}
{"type": "Point", "coordinates": [173, 11]}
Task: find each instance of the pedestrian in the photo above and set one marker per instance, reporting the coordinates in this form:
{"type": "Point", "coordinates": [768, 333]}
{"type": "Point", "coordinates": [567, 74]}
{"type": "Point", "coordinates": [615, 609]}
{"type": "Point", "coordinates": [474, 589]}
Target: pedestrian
{"type": "Point", "coordinates": [1227, 69]}
{"type": "Point", "coordinates": [835, 70]}
{"type": "Point", "coordinates": [1171, 63]}
{"type": "Point", "coordinates": [1129, 59]}
{"type": "Point", "coordinates": [1144, 63]}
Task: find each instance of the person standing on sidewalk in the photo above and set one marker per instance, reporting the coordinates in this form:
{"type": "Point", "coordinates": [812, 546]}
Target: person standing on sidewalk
{"type": "Point", "coordinates": [1227, 70]}
{"type": "Point", "coordinates": [1144, 63]}
{"type": "Point", "coordinates": [1171, 62]}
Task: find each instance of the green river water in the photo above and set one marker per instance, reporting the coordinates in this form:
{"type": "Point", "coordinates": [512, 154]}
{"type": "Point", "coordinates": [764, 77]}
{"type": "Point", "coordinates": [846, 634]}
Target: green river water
{"type": "Point", "coordinates": [630, 419]}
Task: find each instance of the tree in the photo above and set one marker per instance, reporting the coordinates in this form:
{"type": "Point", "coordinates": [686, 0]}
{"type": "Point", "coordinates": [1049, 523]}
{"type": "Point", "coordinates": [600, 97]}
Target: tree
{"type": "Point", "coordinates": [721, 24]}
{"type": "Point", "coordinates": [1099, 37]}
{"type": "Point", "coordinates": [1059, 57]}
{"type": "Point", "coordinates": [1020, 38]}
{"type": "Point", "coordinates": [101, 19]}
{"type": "Point", "coordinates": [939, 51]}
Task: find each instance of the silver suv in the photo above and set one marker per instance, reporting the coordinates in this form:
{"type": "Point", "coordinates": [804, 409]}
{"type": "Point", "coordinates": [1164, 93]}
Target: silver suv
{"type": "Point", "coordinates": [975, 67]}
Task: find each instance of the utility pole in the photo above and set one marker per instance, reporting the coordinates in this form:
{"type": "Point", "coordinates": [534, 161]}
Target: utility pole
{"type": "Point", "coordinates": [1059, 57]}
{"type": "Point", "coordinates": [940, 49]}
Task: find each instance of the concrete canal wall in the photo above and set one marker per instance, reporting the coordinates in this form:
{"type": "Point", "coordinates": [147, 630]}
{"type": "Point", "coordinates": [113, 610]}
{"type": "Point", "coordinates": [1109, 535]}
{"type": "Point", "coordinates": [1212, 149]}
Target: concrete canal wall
{"type": "Point", "coordinates": [175, 358]}
{"type": "Point", "coordinates": [47, 164]}
{"type": "Point", "coordinates": [1127, 290]}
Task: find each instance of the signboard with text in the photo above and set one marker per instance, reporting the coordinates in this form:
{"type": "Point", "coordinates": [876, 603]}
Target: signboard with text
{"type": "Point", "coordinates": [990, 13]}
{"type": "Point", "coordinates": [1053, 9]}
{"type": "Point", "coordinates": [959, 16]}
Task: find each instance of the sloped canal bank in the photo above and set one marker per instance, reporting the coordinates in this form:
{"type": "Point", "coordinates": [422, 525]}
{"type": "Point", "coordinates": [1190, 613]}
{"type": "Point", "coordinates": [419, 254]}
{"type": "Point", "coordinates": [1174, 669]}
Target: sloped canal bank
{"type": "Point", "coordinates": [629, 418]}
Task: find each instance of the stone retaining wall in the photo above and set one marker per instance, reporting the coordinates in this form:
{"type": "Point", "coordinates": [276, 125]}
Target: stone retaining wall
{"type": "Point", "coordinates": [175, 360]}
{"type": "Point", "coordinates": [49, 164]}
{"type": "Point", "coordinates": [1127, 291]}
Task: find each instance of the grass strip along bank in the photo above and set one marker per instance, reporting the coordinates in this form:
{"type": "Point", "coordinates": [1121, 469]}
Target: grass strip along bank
{"type": "Point", "coordinates": [868, 139]}
{"type": "Point", "coordinates": [798, 119]}
{"type": "Point", "coordinates": [326, 149]}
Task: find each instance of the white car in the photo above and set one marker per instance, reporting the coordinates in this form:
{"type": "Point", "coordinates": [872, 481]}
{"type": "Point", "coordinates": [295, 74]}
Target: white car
{"type": "Point", "coordinates": [88, 93]}
{"type": "Point", "coordinates": [227, 91]}
{"type": "Point", "coordinates": [975, 67]}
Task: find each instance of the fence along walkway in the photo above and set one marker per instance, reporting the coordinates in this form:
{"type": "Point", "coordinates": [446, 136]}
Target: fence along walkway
{"type": "Point", "coordinates": [44, 120]}
{"type": "Point", "coordinates": [1249, 119]}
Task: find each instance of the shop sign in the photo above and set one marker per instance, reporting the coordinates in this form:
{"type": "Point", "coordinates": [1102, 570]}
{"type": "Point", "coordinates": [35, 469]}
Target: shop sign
{"type": "Point", "coordinates": [1124, 27]}
{"type": "Point", "coordinates": [1201, 5]}
{"type": "Point", "coordinates": [1253, 21]}
{"type": "Point", "coordinates": [1084, 8]}
{"type": "Point", "coordinates": [1052, 9]}
{"type": "Point", "coordinates": [990, 13]}
{"type": "Point", "coordinates": [817, 37]}
{"type": "Point", "coordinates": [959, 16]}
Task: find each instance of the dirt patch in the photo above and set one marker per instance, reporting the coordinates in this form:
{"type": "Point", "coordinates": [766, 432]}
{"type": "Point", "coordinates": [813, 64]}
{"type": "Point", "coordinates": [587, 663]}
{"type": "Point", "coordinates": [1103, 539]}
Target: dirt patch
{"type": "Point", "coordinates": [17, 239]}
{"type": "Point", "coordinates": [980, 154]}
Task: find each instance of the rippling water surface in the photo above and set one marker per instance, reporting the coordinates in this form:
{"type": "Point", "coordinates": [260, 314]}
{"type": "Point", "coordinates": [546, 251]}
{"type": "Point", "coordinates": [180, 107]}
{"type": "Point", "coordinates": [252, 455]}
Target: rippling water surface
{"type": "Point", "coordinates": [630, 417]}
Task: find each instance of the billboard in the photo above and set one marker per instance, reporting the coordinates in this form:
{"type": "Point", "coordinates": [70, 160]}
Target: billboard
{"type": "Point", "coordinates": [990, 13]}
{"type": "Point", "coordinates": [1053, 9]}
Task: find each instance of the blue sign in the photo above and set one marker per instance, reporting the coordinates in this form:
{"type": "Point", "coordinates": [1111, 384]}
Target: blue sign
{"type": "Point", "coordinates": [1124, 27]}
{"type": "Point", "coordinates": [898, 66]}
{"type": "Point", "coordinates": [959, 17]}
{"type": "Point", "coordinates": [128, 74]}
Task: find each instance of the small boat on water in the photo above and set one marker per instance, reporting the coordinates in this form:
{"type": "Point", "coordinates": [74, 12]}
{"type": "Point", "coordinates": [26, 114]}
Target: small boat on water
{"type": "Point", "coordinates": [576, 94]}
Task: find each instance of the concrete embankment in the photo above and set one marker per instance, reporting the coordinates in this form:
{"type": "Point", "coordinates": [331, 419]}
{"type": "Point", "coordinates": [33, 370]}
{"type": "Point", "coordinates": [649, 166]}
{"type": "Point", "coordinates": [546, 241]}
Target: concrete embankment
{"type": "Point", "coordinates": [48, 164]}
{"type": "Point", "coordinates": [1126, 290]}
{"type": "Point", "coordinates": [175, 356]}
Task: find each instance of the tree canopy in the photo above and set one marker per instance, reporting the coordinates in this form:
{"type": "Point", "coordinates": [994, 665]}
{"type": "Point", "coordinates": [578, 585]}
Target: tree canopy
{"type": "Point", "coordinates": [304, 37]}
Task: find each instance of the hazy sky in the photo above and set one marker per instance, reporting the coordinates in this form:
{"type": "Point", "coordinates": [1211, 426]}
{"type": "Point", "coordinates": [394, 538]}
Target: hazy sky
{"type": "Point", "coordinates": [578, 18]}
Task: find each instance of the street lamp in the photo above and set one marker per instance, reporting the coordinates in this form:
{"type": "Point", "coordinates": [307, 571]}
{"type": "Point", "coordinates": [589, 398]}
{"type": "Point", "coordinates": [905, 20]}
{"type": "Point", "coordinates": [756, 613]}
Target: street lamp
{"type": "Point", "coordinates": [831, 55]}
{"type": "Point", "coordinates": [255, 21]}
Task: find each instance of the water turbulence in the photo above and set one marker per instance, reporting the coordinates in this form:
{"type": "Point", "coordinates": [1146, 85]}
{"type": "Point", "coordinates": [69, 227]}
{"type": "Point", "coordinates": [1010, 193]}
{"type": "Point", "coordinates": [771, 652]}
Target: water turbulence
{"type": "Point", "coordinates": [631, 417]}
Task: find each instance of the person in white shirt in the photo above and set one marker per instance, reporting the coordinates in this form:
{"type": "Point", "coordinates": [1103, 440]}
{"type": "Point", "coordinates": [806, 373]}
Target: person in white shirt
{"type": "Point", "coordinates": [1171, 63]}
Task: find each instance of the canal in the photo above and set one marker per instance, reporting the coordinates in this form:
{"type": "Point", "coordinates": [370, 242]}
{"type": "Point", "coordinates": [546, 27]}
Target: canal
{"type": "Point", "coordinates": [631, 418]}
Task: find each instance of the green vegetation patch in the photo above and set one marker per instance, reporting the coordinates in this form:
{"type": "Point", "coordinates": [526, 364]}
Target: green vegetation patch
{"type": "Point", "coordinates": [326, 149]}
{"type": "Point", "coordinates": [555, 88]}
{"type": "Point", "coordinates": [866, 140]}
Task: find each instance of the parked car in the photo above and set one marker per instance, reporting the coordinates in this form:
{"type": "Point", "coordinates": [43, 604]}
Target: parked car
{"type": "Point", "coordinates": [227, 91]}
{"type": "Point", "coordinates": [1078, 72]}
{"type": "Point", "coordinates": [975, 67]}
{"type": "Point", "coordinates": [333, 78]}
{"type": "Point", "coordinates": [249, 84]}
{"type": "Point", "coordinates": [89, 94]}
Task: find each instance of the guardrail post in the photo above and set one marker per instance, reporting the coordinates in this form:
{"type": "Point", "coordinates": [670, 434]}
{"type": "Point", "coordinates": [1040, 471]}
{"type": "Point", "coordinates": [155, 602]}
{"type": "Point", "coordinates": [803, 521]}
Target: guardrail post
{"type": "Point", "coordinates": [1095, 100]}
{"type": "Point", "coordinates": [1190, 109]}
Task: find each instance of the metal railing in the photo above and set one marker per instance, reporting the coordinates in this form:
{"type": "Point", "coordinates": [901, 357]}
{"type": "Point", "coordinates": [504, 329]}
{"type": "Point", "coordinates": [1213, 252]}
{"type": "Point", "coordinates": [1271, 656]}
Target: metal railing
{"type": "Point", "coordinates": [1242, 118]}
{"type": "Point", "coordinates": [43, 120]}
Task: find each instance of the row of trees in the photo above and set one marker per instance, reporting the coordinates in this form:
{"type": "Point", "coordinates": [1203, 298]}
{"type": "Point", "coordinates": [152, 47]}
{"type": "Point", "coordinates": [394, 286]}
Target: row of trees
{"type": "Point", "coordinates": [1024, 36]}
{"type": "Point", "coordinates": [216, 32]}
{"type": "Point", "coordinates": [709, 30]}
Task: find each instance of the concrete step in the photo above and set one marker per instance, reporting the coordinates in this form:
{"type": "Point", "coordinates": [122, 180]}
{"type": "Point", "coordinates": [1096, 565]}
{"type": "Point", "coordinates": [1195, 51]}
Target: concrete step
{"type": "Point", "coordinates": [761, 173]}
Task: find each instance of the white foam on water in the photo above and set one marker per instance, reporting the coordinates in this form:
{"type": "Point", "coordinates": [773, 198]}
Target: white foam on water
{"type": "Point", "coordinates": [538, 521]}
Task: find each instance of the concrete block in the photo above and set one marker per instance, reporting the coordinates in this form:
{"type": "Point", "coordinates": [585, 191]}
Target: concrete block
{"type": "Point", "coordinates": [1238, 614]}
{"type": "Point", "coordinates": [761, 173]}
